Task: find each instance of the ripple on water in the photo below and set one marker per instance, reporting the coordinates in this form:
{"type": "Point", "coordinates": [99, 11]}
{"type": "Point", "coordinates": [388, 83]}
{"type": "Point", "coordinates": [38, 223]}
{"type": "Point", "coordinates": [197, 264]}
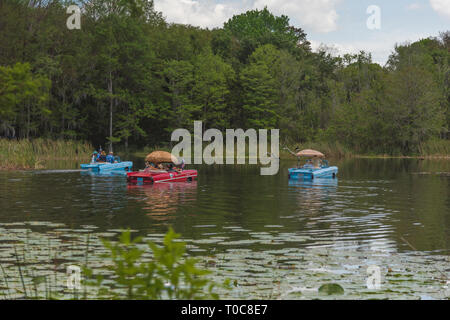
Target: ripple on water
{"type": "Point", "coordinates": [274, 238]}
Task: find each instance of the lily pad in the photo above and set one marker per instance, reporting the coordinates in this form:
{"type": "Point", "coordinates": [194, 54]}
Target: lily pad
{"type": "Point", "coordinates": [331, 288]}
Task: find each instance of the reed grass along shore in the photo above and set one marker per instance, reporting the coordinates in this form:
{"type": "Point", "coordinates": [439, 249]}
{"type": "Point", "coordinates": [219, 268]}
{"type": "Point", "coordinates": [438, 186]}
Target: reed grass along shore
{"type": "Point", "coordinates": [29, 154]}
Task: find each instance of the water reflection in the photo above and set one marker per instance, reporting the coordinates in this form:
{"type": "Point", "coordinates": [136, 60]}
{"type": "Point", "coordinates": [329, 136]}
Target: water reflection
{"type": "Point", "coordinates": [116, 173]}
{"type": "Point", "coordinates": [372, 205]}
{"type": "Point", "coordinates": [163, 200]}
{"type": "Point", "coordinates": [255, 229]}
{"type": "Point", "coordinates": [320, 183]}
{"type": "Point", "coordinates": [356, 224]}
{"type": "Point", "coordinates": [312, 195]}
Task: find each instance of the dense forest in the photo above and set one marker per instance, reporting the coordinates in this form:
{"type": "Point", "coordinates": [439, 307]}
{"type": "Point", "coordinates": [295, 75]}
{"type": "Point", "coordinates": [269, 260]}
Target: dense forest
{"type": "Point", "coordinates": [257, 71]}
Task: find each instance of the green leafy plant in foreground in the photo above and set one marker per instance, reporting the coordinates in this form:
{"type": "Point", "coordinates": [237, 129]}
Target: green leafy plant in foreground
{"type": "Point", "coordinates": [168, 275]}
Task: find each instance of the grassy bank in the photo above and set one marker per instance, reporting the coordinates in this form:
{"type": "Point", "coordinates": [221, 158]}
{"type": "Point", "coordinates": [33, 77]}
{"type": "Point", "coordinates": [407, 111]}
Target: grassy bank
{"type": "Point", "coordinates": [30, 154]}
{"type": "Point", "coordinates": [436, 148]}
{"type": "Point", "coordinates": [431, 149]}
{"type": "Point", "coordinates": [331, 150]}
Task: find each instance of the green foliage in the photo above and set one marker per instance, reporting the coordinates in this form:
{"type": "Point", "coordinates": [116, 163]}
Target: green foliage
{"type": "Point", "coordinates": [435, 147]}
{"type": "Point", "coordinates": [259, 89]}
{"type": "Point", "coordinates": [22, 95]}
{"type": "Point", "coordinates": [29, 154]}
{"type": "Point", "coordinates": [255, 28]}
{"type": "Point", "coordinates": [132, 269]}
{"type": "Point", "coordinates": [150, 77]}
{"type": "Point", "coordinates": [394, 110]}
{"type": "Point", "coordinates": [179, 110]}
{"type": "Point", "coordinates": [167, 275]}
{"type": "Point", "coordinates": [212, 79]}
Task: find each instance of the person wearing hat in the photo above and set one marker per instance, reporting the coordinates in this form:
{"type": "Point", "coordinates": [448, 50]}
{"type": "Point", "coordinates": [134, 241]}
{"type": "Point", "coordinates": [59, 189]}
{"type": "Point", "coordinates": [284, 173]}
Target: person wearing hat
{"type": "Point", "coordinates": [102, 157]}
{"type": "Point", "coordinates": [94, 157]}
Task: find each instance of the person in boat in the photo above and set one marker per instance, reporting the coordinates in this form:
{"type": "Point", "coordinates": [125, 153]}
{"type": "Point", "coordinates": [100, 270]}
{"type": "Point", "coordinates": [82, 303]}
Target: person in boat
{"type": "Point", "coordinates": [149, 166]}
{"type": "Point", "coordinates": [117, 159]}
{"type": "Point", "coordinates": [308, 164]}
{"type": "Point", "coordinates": [317, 163]}
{"type": "Point", "coordinates": [152, 165]}
{"type": "Point", "coordinates": [94, 157]}
{"type": "Point", "coordinates": [179, 167]}
{"type": "Point", "coordinates": [182, 164]}
{"type": "Point", "coordinates": [110, 157]}
{"type": "Point", "coordinates": [170, 168]}
{"type": "Point", "coordinates": [102, 157]}
{"type": "Point", "coordinates": [99, 153]}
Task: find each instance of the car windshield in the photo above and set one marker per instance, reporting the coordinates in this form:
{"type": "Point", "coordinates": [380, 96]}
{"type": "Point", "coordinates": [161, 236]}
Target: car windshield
{"type": "Point", "coordinates": [315, 163]}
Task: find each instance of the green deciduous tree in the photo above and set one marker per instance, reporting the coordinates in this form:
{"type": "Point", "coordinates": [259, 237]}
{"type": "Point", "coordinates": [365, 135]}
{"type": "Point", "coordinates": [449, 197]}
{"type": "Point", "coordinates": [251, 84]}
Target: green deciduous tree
{"type": "Point", "coordinates": [259, 89]}
{"type": "Point", "coordinates": [212, 78]}
{"type": "Point", "coordinates": [129, 77]}
{"type": "Point", "coordinates": [259, 27]}
{"type": "Point", "coordinates": [179, 110]}
{"type": "Point", "coordinates": [23, 98]}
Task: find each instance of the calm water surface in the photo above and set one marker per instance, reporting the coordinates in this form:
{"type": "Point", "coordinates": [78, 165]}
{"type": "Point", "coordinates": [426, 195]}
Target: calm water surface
{"type": "Point", "coordinates": [274, 238]}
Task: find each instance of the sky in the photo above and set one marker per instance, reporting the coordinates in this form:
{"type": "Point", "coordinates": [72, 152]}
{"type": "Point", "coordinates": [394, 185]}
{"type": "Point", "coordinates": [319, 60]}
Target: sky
{"type": "Point", "coordinates": [340, 25]}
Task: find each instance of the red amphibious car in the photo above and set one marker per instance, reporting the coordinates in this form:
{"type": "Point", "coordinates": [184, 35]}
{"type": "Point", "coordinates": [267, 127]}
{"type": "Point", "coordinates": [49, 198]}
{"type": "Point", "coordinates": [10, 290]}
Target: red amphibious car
{"type": "Point", "coordinates": [155, 172]}
{"type": "Point", "coordinates": [144, 177]}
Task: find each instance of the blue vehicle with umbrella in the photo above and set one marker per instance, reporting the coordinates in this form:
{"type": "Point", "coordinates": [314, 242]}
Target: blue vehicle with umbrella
{"type": "Point", "coordinates": [315, 166]}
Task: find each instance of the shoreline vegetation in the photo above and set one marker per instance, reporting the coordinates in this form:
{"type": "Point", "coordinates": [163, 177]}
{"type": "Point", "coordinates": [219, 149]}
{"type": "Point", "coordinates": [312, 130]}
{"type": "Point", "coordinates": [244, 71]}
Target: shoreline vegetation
{"type": "Point", "coordinates": [431, 150]}
{"type": "Point", "coordinates": [32, 154]}
{"type": "Point", "coordinates": [134, 77]}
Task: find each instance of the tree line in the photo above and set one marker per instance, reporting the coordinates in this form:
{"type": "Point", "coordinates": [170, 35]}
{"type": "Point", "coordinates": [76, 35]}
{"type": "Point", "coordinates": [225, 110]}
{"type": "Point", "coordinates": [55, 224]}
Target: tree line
{"type": "Point", "coordinates": [128, 64]}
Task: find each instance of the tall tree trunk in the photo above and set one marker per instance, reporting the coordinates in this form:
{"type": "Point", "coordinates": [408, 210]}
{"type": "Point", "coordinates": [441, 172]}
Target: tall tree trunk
{"type": "Point", "coordinates": [28, 121]}
{"type": "Point", "coordinates": [110, 89]}
{"type": "Point", "coordinates": [63, 114]}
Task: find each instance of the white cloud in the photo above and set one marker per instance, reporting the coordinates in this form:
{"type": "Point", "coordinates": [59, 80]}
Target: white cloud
{"type": "Point", "coordinates": [380, 46]}
{"type": "Point", "coordinates": [441, 6]}
{"type": "Point", "coordinates": [413, 6]}
{"type": "Point", "coordinates": [319, 15]}
{"type": "Point", "coordinates": [202, 13]}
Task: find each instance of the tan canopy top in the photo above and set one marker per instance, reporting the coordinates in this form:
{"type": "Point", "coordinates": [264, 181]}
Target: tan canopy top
{"type": "Point", "coordinates": [162, 157]}
{"type": "Point", "coordinates": [310, 153]}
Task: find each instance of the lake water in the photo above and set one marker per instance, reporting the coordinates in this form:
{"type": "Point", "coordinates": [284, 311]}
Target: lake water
{"type": "Point", "coordinates": [273, 238]}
